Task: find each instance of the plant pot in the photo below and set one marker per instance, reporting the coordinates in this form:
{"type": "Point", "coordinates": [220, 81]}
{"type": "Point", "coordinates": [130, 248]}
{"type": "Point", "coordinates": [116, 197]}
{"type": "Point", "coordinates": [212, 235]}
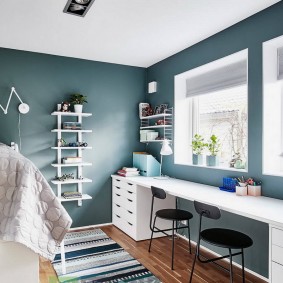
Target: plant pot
{"type": "Point", "coordinates": [78, 108]}
{"type": "Point", "coordinates": [254, 191]}
{"type": "Point", "coordinates": [212, 160]}
{"type": "Point", "coordinates": [197, 159]}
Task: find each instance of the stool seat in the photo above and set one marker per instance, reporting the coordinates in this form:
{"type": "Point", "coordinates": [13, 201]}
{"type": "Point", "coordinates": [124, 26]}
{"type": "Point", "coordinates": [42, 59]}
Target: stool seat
{"type": "Point", "coordinates": [174, 214]}
{"type": "Point", "coordinates": [226, 238]}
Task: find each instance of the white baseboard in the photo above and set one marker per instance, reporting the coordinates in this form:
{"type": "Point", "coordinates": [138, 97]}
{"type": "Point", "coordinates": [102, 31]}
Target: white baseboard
{"type": "Point", "coordinates": [90, 226]}
{"type": "Point", "coordinates": [234, 263]}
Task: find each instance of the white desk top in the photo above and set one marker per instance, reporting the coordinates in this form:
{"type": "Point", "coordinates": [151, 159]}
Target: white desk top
{"type": "Point", "coordinates": [263, 209]}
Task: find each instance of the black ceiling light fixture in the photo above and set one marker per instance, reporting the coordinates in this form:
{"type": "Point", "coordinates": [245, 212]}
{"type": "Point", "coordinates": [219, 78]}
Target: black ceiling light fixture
{"type": "Point", "coordinates": [78, 7]}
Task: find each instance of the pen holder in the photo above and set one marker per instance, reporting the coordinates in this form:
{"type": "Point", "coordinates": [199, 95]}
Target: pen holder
{"type": "Point", "coordinates": [254, 191]}
{"type": "Point", "coordinates": [241, 190]}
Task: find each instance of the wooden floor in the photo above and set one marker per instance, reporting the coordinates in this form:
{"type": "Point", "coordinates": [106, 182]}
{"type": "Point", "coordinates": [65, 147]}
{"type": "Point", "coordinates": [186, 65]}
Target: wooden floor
{"type": "Point", "coordinates": [158, 261]}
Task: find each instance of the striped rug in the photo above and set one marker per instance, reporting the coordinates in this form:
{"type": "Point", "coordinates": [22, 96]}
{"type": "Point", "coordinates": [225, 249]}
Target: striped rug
{"type": "Point", "coordinates": [91, 256]}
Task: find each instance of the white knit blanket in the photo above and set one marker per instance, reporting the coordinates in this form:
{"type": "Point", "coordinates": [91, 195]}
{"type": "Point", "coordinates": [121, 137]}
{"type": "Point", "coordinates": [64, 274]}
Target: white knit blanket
{"type": "Point", "coordinates": [30, 213]}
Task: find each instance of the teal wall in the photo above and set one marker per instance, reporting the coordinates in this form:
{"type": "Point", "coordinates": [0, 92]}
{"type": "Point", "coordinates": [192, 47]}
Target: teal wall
{"type": "Point", "coordinates": [250, 33]}
{"type": "Point", "coordinates": [113, 91]}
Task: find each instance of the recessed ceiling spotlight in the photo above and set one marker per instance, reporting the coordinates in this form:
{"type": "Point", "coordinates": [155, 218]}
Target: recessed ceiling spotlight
{"type": "Point", "coordinates": [78, 7]}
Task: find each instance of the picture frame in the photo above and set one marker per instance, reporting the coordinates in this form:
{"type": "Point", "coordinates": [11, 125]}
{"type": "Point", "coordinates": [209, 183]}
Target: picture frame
{"type": "Point", "coordinates": [142, 109]}
{"type": "Point", "coordinates": [162, 108]}
{"type": "Point", "coordinates": [156, 110]}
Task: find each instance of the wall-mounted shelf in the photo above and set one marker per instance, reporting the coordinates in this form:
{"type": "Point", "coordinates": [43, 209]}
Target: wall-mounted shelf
{"type": "Point", "coordinates": [84, 197]}
{"type": "Point", "coordinates": [79, 149]}
{"type": "Point", "coordinates": [71, 181]}
{"type": "Point", "coordinates": [58, 113]}
{"type": "Point", "coordinates": [162, 122]}
{"type": "Point", "coordinates": [70, 131]}
{"type": "Point", "coordinates": [71, 147]}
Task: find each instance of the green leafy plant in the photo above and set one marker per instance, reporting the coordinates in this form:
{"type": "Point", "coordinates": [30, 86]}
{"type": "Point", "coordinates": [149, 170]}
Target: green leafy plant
{"type": "Point", "coordinates": [198, 144]}
{"type": "Point", "coordinates": [213, 145]}
{"type": "Point", "coordinates": [77, 98]}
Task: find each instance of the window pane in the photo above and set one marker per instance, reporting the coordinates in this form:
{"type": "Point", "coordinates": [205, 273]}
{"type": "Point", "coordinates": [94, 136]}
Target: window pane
{"type": "Point", "coordinates": [224, 114]}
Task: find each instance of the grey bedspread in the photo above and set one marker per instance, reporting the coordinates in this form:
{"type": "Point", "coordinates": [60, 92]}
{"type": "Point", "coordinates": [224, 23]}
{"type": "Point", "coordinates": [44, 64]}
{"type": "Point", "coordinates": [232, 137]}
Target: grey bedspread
{"type": "Point", "coordinates": [30, 213]}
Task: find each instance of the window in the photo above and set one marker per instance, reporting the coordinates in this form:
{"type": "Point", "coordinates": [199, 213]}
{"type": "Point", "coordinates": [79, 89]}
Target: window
{"type": "Point", "coordinates": [212, 100]}
{"type": "Point", "coordinates": [273, 107]}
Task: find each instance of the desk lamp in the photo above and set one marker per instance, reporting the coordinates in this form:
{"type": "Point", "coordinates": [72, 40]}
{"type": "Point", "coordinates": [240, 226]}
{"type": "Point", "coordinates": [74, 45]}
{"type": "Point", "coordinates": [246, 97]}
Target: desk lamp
{"type": "Point", "coordinates": [165, 150]}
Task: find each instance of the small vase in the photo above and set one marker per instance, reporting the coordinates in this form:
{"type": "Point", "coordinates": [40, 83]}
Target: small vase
{"type": "Point", "coordinates": [212, 160]}
{"type": "Point", "coordinates": [241, 191]}
{"type": "Point", "coordinates": [197, 159]}
{"type": "Point", "coordinates": [78, 108]}
{"type": "Point", "coordinates": [254, 191]}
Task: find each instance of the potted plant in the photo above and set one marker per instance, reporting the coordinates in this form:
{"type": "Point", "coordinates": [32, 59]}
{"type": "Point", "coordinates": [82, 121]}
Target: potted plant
{"type": "Point", "coordinates": [198, 146]}
{"type": "Point", "coordinates": [213, 146]}
{"type": "Point", "coordinates": [78, 100]}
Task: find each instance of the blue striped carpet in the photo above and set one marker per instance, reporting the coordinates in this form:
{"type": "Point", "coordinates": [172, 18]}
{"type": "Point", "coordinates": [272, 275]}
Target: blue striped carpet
{"type": "Point", "coordinates": [91, 256]}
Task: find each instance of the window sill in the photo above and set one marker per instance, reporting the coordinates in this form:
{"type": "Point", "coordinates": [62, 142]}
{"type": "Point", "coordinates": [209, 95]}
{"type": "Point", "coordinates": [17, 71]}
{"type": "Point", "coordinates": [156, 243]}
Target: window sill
{"type": "Point", "coordinates": [276, 174]}
{"type": "Point", "coordinates": [215, 167]}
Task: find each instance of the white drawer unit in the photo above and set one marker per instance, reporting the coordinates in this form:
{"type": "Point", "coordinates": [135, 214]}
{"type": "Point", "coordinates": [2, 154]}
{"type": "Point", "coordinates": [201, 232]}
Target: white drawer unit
{"type": "Point", "coordinates": [131, 205]}
{"type": "Point", "coordinates": [276, 254]}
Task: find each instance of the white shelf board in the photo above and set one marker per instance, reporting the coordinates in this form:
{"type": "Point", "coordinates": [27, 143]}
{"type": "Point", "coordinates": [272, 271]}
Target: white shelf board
{"type": "Point", "coordinates": [156, 126]}
{"type": "Point", "coordinates": [160, 141]}
{"type": "Point", "coordinates": [71, 164]}
{"type": "Point", "coordinates": [71, 147]}
{"type": "Point", "coordinates": [70, 131]}
{"type": "Point", "coordinates": [156, 116]}
{"type": "Point", "coordinates": [71, 181]}
{"type": "Point", "coordinates": [84, 197]}
{"type": "Point", "coordinates": [58, 113]}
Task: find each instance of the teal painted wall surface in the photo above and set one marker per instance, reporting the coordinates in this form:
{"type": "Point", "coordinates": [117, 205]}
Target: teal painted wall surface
{"type": "Point", "coordinates": [250, 33]}
{"type": "Point", "coordinates": [113, 92]}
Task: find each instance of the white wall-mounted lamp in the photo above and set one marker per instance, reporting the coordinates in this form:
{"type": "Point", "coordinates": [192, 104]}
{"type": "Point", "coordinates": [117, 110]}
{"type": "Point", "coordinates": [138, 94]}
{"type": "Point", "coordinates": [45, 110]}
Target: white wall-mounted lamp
{"type": "Point", "coordinates": [152, 87]}
{"type": "Point", "coordinates": [165, 150]}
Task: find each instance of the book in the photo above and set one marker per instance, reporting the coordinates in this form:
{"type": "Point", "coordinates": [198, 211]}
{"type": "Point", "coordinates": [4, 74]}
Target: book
{"type": "Point", "coordinates": [128, 174]}
{"type": "Point", "coordinates": [130, 169]}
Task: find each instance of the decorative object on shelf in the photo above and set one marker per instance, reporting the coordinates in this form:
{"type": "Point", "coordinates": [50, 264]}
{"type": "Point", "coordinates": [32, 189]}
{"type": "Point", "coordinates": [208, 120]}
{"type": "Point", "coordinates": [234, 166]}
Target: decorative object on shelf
{"type": "Point", "coordinates": [69, 160]}
{"type": "Point", "coordinates": [71, 195]}
{"type": "Point", "coordinates": [152, 87]}
{"type": "Point", "coordinates": [213, 146]}
{"type": "Point", "coordinates": [65, 177]}
{"type": "Point", "coordinates": [151, 136]}
{"type": "Point", "coordinates": [61, 142]}
{"type": "Point", "coordinates": [23, 107]}
{"type": "Point", "coordinates": [78, 100]}
{"type": "Point", "coordinates": [198, 146]}
{"type": "Point", "coordinates": [65, 106]}
{"type": "Point", "coordinates": [165, 150]}
{"type": "Point", "coordinates": [128, 172]}
{"type": "Point", "coordinates": [156, 110]}
{"type": "Point", "coordinates": [229, 184]}
{"type": "Point", "coordinates": [162, 122]}
{"type": "Point", "coordinates": [143, 109]}
{"type": "Point", "coordinates": [72, 126]}
{"type": "Point", "coordinates": [162, 108]}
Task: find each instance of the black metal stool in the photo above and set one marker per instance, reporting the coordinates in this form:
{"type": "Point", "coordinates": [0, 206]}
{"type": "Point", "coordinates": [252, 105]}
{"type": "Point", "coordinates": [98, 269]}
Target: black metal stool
{"type": "Point", "coordinates": [173, 215]}
{"type": "Point", "coordinates": [224, 238]}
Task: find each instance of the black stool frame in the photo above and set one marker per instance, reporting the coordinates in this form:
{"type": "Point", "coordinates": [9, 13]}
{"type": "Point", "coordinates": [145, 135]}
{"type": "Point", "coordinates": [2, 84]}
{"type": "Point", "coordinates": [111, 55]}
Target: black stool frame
{"type": "Point", "coordinates": [212, 212]}
{"type": "Point", "coordinates": [161, 194]}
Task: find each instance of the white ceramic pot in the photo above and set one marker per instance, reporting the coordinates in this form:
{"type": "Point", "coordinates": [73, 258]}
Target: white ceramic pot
{"type": "Point", "coordinates": [78, 108]}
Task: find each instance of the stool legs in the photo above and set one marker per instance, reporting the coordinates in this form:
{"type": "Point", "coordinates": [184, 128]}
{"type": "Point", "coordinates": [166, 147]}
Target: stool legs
{"type": "Point", "coordinates": [243, 267]}
{"type": "Point", "coordinates": [189, 234]}
{"type": "Point", "coordinates": [193, 266]}
{"type": "Point", "coordinates": [151, 234]}
{"type": "Point", "coordinates": [231, 267]}
{"type": "Point", "coordinates": [172, 259]}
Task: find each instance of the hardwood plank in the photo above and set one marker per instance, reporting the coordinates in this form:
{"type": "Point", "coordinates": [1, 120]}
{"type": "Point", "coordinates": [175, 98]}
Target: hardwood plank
{"type": "Point", "coordinates": [158, 261]}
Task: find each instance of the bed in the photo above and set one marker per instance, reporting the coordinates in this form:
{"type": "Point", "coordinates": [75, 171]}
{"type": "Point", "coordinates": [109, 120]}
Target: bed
{"type": "Point", "coordinates": [32, 220]}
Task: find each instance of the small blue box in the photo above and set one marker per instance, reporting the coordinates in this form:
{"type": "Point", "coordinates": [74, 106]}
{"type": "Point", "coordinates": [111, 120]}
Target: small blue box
{"type": "Point", "coordinates": [146, 163]}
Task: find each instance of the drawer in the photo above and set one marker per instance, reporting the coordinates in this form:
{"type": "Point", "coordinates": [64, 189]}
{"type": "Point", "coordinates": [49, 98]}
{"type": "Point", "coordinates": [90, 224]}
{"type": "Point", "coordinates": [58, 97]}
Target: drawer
{"type": "Point", "coordinates": [117, 220]}
{"type": "Point", "coordinates": [128, 194]}
{"type": "Point", "coordinates": [277, 237]}
{"type": "Point", "coordinates": [130, 187]}
{"type": "Point", "coordinates": [129, 228]}
{"type": "Point", "coordinates": [116, 189]}
{"type": "Point", "coordinates": [276, 272]}
{"type": "Point", "coordinates": [116, 182]}
{"type": "Point", "coordinates": [127, 203]}
{"type": "Point", "coordinates": [118, 199]}
{"type": "Point", "coordinates": [129, 216]}
{"type": "Point", "coordinates": [277, 254]}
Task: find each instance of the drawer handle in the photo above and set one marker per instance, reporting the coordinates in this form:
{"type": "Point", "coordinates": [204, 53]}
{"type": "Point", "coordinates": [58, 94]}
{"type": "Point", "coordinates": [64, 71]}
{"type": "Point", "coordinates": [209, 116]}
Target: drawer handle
{"type": "Point", "coordinates": [130, 212]}
{"type": "Point", "coordinates": [130, 184]}
{"type": "Point", "coordinates": [130, 223]}
{"type": "Point", "coordinates": [118, 188]}
{"type": "Point", "coordinates": [118, 205]}
{"type": "Point", "coordinates": [117, 195]}
{"type": "Point", "coordinates": [129, 192]}
{"type": "Point", "coordinates": [118, 180]}
{"type": "Point", "coordinates": [118, 216]}
{"type": "Point", "coordinates": [129, 200]}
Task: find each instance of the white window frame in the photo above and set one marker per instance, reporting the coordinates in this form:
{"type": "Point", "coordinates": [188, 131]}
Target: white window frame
{"type": "Point", "coordinates": [185, 112]}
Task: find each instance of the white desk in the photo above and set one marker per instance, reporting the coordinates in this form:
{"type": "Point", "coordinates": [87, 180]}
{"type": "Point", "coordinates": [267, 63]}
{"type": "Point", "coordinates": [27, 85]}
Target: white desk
{"type": "Point", "coordinates": [263, 209]}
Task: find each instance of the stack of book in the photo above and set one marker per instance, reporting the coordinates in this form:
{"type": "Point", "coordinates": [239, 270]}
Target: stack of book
{"type": "Point", "coordinates": [69, 195]}
{"type": "Point", "coordinates": [128, 172]}
{"type": "Point", "coordinates": [70, 160]}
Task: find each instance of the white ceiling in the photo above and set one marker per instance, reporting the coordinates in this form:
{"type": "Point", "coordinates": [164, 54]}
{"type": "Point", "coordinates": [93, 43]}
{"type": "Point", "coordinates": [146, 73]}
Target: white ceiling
{"type": "Point", "coordinates": [129, 32]}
